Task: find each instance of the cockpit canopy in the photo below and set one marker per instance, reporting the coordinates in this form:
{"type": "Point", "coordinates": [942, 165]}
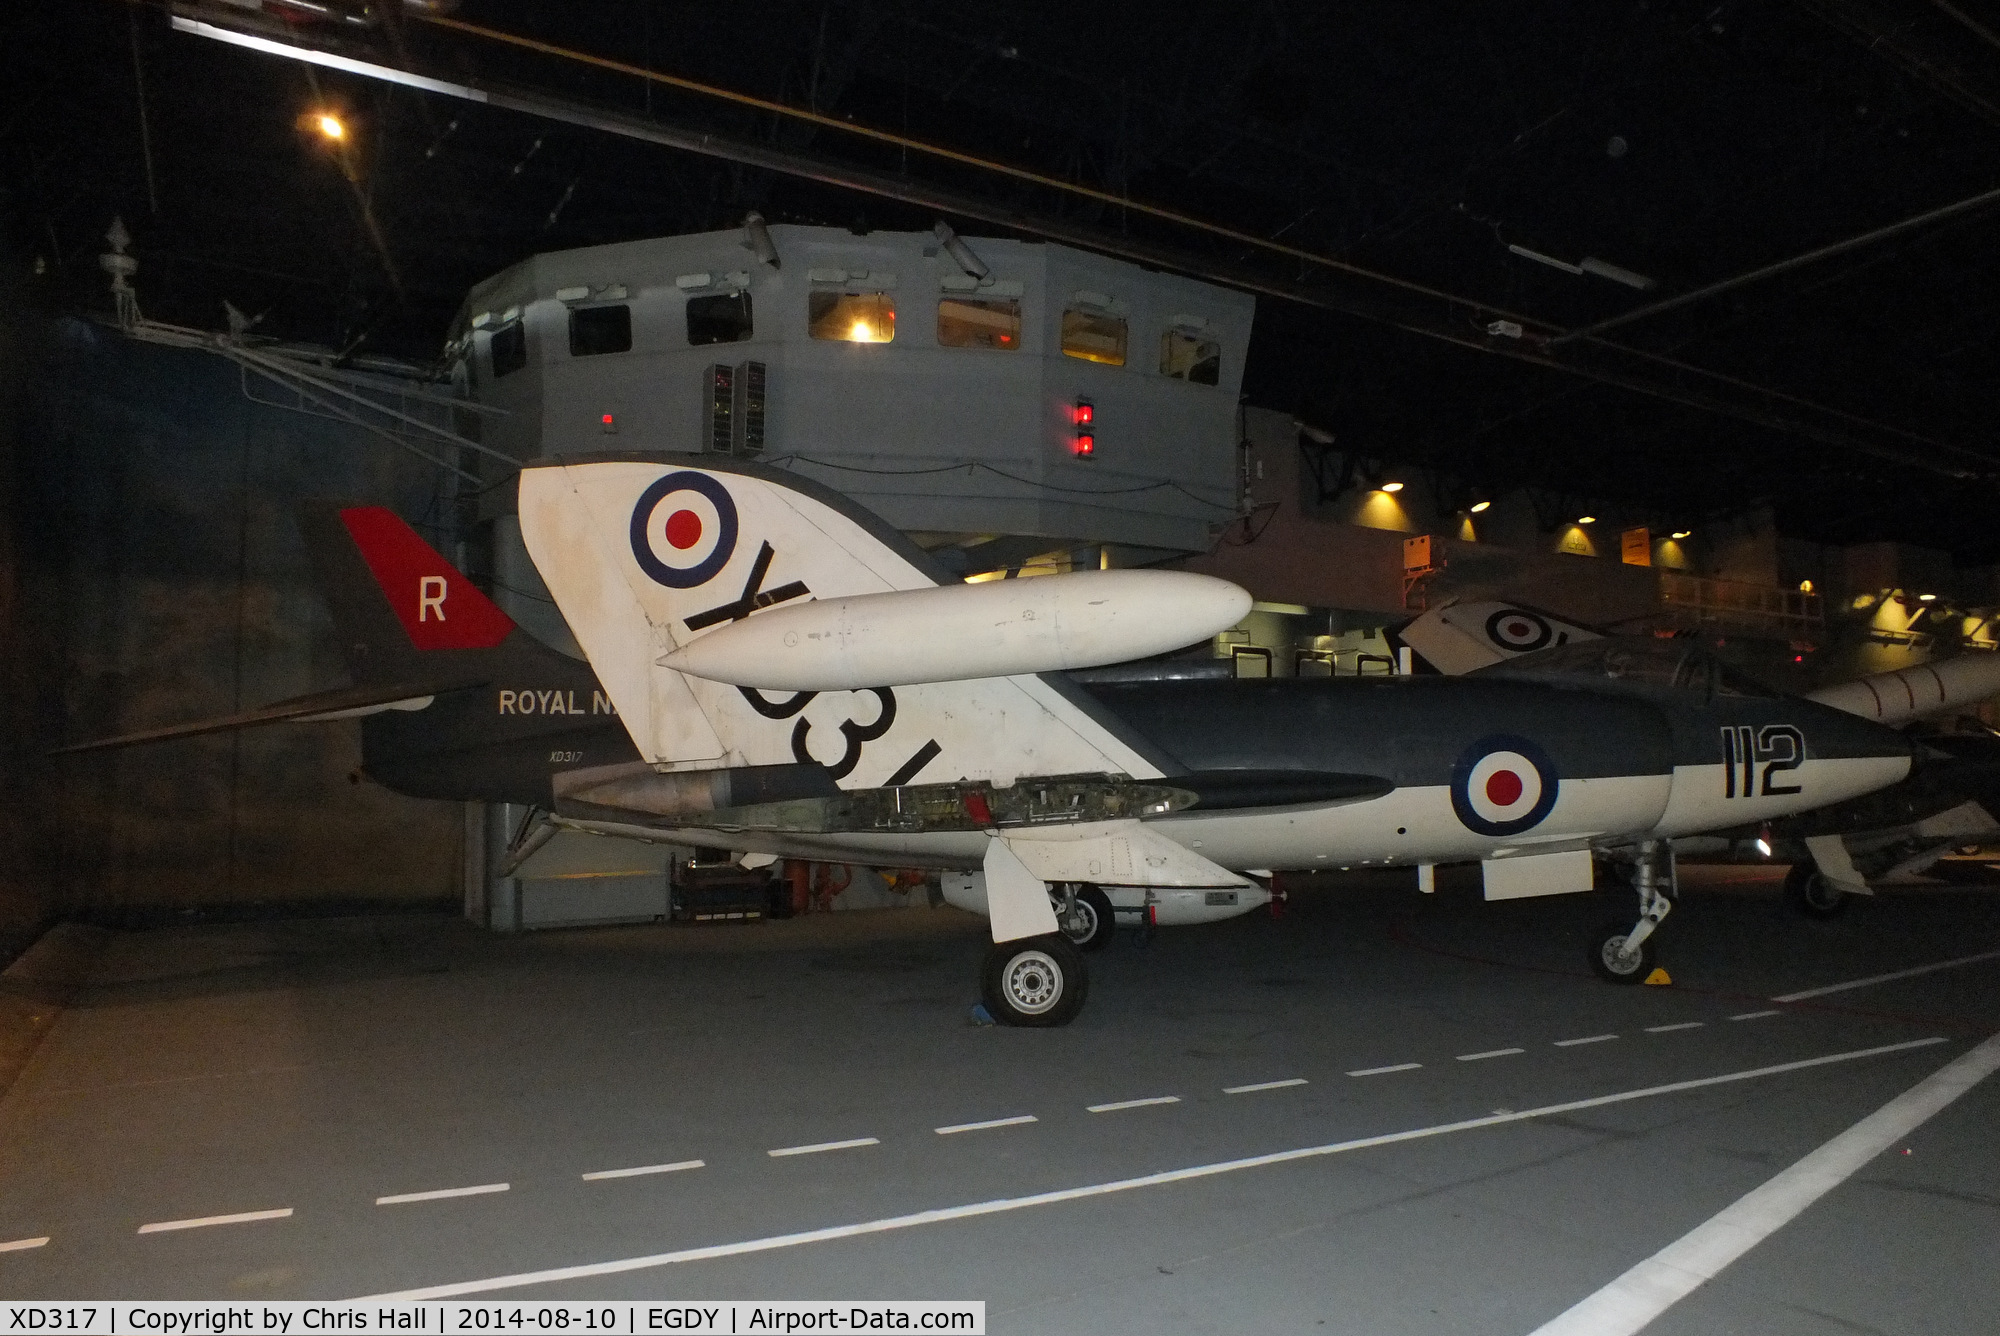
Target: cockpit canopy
{"type": "Point", "coordinates": [1678, 664]}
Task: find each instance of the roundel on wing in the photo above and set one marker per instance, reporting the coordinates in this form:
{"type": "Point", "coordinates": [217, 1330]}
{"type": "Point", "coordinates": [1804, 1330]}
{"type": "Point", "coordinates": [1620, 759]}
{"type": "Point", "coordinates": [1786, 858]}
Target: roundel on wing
{"type": "Point", "coordinates": [1503, 785]}
{"type": "Point", "coordinates": [684, 529]}
{"type": "Point", "coordinates": [1520, 632]}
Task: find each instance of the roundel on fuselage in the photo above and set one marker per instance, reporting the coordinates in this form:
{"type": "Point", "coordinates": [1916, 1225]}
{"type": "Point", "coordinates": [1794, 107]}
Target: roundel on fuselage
{"type": "Point", "coordinates": [1503, 785]}
{"type": "Point", "coordinates": [1520, 632]}
{"type": "Point", "coordinates": [684, 529]}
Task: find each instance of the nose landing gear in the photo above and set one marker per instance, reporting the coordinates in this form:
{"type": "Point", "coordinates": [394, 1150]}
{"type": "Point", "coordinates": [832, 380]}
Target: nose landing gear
{"type": "Point", "coordinates": [1627, 954]}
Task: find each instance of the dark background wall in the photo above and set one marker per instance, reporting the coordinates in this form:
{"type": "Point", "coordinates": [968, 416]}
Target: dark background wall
{"type": "Point", "coordinates": [158, 576]}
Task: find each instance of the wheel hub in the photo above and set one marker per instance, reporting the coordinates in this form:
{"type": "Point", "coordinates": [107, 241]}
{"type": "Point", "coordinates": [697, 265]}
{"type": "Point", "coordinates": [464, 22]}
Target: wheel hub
{"type": "Point", "coordinates": [1615, 958]}
{"type": "Point", "coordinates": [1033, 982]}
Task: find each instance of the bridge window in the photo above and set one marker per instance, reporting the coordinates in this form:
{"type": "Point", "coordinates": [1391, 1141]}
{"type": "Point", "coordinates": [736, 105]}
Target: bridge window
{"type": "Point", "coordinates": [1189, 357]}
{"type": "Point", "coordinates": [851, 317]}
{"type": "Point", "coordinates": [1094, 336]}
{"type": "Point", "coordinates": [966, 322]}
{"type": "Point", "coordinates": [722, 317]}
{"type": "Point", "coordinates": [594, 330]}
{"type": "Point", "coordinates": [509, 349]}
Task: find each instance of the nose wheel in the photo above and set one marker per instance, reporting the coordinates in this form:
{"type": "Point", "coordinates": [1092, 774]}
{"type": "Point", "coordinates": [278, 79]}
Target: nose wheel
{"type": "Point", "coordinates": [1626, 953]}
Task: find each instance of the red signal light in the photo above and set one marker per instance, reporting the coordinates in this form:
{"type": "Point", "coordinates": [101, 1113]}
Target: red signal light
{"type": "Point", "coordinates": [1084, 414]}
{"type": "Point", "coordinates": [1086, 445]}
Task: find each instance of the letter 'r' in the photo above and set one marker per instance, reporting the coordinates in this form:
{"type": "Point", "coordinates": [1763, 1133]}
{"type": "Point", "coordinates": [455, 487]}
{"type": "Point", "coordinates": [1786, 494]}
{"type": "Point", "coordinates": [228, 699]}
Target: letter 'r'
{"type": "Point", "coordinates": [430, 597]}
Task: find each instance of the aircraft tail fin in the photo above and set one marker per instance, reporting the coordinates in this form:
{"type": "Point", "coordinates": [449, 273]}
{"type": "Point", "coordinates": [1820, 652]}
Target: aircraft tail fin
{"type": "Point", "coordinates": [646, 554]}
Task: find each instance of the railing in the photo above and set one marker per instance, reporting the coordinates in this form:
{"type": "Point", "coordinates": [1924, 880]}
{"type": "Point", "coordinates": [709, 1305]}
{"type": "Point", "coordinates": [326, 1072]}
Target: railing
{"type": "Point", "coordinates": [1790, 612]}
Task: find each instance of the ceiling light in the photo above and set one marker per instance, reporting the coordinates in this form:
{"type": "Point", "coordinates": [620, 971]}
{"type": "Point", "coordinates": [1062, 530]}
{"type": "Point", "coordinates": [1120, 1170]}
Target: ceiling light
{"type": "Point", "coordinates": [1392, 487]}
{"type": "Point", "coordinates": [1480, 506]}
{"type": "Point", "coordinates": [1927, 598]}
{"type": "Point", "coordinates": [1586, 519]}
{"type": "Point", "coordinates": [329, 125]}
{"type": "Point", "coordinates": [1684, 533]}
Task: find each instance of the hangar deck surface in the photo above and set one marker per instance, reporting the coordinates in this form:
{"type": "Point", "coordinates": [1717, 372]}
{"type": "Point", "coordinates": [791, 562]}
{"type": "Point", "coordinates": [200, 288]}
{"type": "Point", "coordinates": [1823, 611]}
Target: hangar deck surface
{"type": "Point", "coordinates": [322, 1067]}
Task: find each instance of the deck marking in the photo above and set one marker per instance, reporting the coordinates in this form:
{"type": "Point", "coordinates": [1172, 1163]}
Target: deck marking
{"type": "Point", "coordinates": [673, 1168]}
{"type": "Point", "coordinates": [1263, 1085]}
{"type": "Point", "coordinates": [1383, 1071]}
{"type": "Point", "coordinates": [440, 1194]}
{"type": "Point", "coordinates": [18, 1245]}
{"type": "Point", "coordinates": [1874, 979]}
{"type": "Point", "coordinates": [1669, 1029]}
{"type": "Point", "coordinates": [972, 1210]}
{"type": "Point", "coordinates": [1132, 1103]}
{"type": "Point", "coordinates": [819, 1146]}
{"type": "Point", "coordinates": [1634, 1299]}
{"type": "Point", "coordinates": [1755, 1015]}
{"type": "Point", "coordinates": [203, 1222]}
{"type": "Point", "coordinates": [1587, 1039]}
{"type": "Point", "coordinates": [1490, 1053]}
{"type": "Point", "coordinates": [956, 1128]}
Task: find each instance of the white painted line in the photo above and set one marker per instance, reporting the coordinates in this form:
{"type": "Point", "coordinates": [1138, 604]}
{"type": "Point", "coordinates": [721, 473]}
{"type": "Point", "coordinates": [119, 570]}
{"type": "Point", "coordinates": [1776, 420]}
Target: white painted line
{"type": "Point", "coordinates": [816, 1148]}
{"type": "Point", "coordinates": [673, 1168]}
{"type": "Point", "coordinates": [1384, 1071]}
{"type": "Point", "coordinates": [19, 1245]}
{"type": "Point", "coordinates": [1755, 1015]}
{"type": "Point", "coordinates": [401, 1198]}
{"type": "Point", "coordinates": [203, 1222]}
{"type": "Point", "coordinates": [1490, 1053]}
{"type": "Point", "coordinates": [1587, 1039]}
{"type": "Point", "coordinates": [1874, 979]}
{"type": "Point", "coordinates": [1133, 1104]}
{"type": "Point", "coordinates": [971, 1210]}
{"type": "Point", "coordinates": [1263, 1085]}
{"type": "Point", "coordinates": [1634, 1299]}
{"type": "Point", "coordinates": [1669, 1029]}
{"type": "Point", "coordinates": [956, 1128]}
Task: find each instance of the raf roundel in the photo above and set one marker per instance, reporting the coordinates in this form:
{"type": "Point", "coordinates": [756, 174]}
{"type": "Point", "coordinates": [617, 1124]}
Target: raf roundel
{"type": "Point", "coordinates": [684, 530]}
{"type": "Point", "coordinates": [1503, 785]}
{"type": "Point", "coordinates": [1521, 632]}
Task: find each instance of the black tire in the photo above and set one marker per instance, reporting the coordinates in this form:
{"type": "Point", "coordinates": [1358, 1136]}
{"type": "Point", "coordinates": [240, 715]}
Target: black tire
{"type": "Point", "coordinates": [1812, 894]}
{"type": "Point", "coordinates": [1034, 981]}
{"type": "Point", "coordinates": [1094, 908]}
{"type": "Point", "coordinates": [1604, 944]}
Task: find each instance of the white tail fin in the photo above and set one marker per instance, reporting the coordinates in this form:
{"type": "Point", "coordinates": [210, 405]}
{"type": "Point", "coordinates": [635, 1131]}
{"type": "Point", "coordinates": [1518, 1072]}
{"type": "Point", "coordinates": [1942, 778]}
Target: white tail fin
{"type": "Point", "coordinates": [644, 555]}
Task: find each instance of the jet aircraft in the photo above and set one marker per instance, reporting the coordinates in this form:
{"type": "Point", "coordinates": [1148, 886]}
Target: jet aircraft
{"type": "Point", "coordinates": [920, 722]}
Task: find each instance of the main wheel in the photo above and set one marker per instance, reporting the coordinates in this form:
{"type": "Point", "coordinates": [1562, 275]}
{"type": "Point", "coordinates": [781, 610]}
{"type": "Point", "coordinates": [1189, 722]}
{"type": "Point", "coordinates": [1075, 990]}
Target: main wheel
{"type": "Point", "coordinates": [1038, 981]}
{"type": "Point", "coordinates": [1812, 894]}
{"type": "Point", "coordinates": [1611, 967]}
{"type": "Point", "coordinates": [1093, 924]}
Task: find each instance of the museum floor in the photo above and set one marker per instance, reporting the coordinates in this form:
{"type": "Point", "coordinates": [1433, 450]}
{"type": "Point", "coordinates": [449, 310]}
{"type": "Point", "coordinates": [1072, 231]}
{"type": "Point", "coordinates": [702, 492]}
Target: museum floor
{"type": "Point", "coordinates": [804, 1110]}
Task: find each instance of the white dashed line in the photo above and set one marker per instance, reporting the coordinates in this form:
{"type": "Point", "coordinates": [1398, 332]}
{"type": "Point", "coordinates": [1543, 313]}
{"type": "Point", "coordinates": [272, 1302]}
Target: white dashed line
{"type": "Point", "coordinates": [19, 1244]}
{"type": "Point", "coordinates": [1490, 1053]}
{"type": "Point", "coordinates": [1383, 1071]}
{"type": "Point", "coordinates": [1755, 1015]}
{"type": "Point", "coordinates": [1587, 1039]}
{"type": "Point", "coordinates": [815, 1149]}
{"type": "Point", "coordinates": [956, 1128]}
{"type": "Point", "coordinates": [674, 1168]}
{"type": "Point", "coordinates": [440, 1194]}
{"type": "Point", "coordinates": [1669, 1029]}
{"type": "Point", "coordinates": [1059, 1196]}
{"type": "Point", "coordinates": [1263, 1085]}
{"type": "Point", "coordinates": [203, 1222]}
{"type": "Point", "coordinates": [1133, 1104]}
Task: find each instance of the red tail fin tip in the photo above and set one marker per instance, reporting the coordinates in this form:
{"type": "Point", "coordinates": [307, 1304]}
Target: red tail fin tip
{"type": "Point", "coordinates": [438, 606]}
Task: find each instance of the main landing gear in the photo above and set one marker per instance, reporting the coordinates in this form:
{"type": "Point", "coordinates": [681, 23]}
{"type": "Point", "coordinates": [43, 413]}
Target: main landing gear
{"type": "Point", "coordinates": [1085, 916]}
{"type": "Point", "coordinates": [1034, 981]}
{"type": "Point", "coordinates": [1622, 954]}
{"type": "Point", "coordinates": [1811, 893]}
